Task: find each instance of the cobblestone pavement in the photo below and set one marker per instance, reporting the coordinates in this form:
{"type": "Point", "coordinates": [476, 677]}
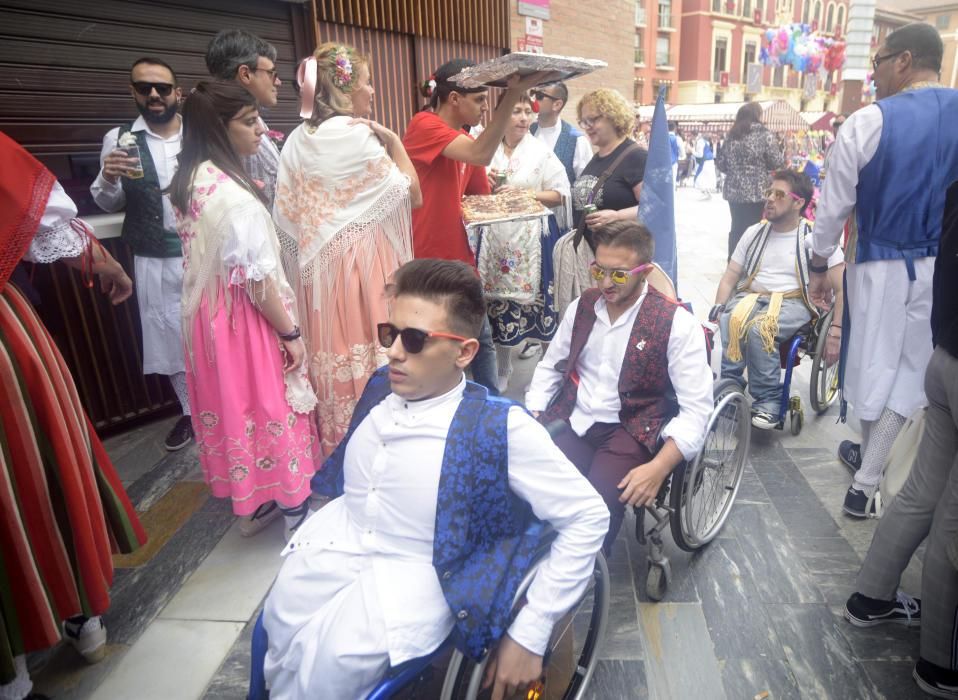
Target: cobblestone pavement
{"type": "Point", "coordinates": [757, 611]}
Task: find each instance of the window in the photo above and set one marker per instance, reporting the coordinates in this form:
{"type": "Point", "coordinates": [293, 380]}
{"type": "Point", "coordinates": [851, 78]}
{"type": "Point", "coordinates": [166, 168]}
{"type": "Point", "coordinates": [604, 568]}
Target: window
{"type": "Point", "coordinates": [716, 5]}
{"type": "Point", "coordinates": [639, 48]}
{"type": "Point", "coordinates": [817, 14]}
{"type": "Point", "coordinates": [665, 13]}
{"type": "Point", "coordinates": [749, 53]}
{"type": "Point", "coordinates": [840, 22]}
{"type": "Point", "coordinates": [778, 76]}
{"type": "Point", "coordinates": [747, 9]}
{"type": "Point", "coordinates": [639, 14]}
{"type": "Point", "coordinates": [662, 51]}
{"type": "Point", "coordinates": [719, 60]}
{"type": "Point", "coordinates": [943, 21]}
{"type": "Point", "coordinates": [637, 91]}
{"type": "Point", "coordinates": [806, 8]}
{"type": "Point", "coordinates": [660, 85]}
{"type": "Point", "coordinates": [830, 19]}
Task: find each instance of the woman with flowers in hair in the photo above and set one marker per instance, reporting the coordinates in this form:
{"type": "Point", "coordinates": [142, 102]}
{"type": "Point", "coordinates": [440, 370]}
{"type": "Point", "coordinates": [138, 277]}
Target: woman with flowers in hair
{"type": "Point", "coordinates": [344, 196]}
{"type": "Point", "coordinates": [250, 397]}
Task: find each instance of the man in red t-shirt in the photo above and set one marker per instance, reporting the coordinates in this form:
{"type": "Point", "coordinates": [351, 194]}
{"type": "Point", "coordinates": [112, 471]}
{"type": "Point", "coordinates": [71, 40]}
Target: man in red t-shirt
{"type": "Point", "coordinates": [450, 163]}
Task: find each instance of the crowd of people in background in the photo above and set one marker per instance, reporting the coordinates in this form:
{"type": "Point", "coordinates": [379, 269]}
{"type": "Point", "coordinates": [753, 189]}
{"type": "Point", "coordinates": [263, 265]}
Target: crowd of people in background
{"type": "Point", "coordinates": [275, 277]}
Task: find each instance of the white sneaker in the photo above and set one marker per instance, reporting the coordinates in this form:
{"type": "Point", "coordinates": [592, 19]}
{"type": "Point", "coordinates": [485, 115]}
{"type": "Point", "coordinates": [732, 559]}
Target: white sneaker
{"type": "Point", "coordinates": [88, 638]}
{"type": "Point", "coordinates": [764, 420]}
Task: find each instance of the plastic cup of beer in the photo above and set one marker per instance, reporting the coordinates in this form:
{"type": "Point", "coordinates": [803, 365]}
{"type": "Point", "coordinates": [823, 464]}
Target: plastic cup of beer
{"type": "Point", "coordinates": [134, 172]}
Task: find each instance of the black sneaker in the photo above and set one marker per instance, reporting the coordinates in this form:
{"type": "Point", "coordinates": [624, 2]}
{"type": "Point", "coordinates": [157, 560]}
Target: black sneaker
{"type": "Point", "coordinates": [862, 611]}
{"type": "Point", "coordinates": [935, 680]}
{"type": "Point", "coordinates": [181, 434]}
{"type": "Point", "coordinates": [851, 454]}
{"type": "Point", "coordinates": [764, 420]}
{"type": "Point", "coordinates": [856, 503]}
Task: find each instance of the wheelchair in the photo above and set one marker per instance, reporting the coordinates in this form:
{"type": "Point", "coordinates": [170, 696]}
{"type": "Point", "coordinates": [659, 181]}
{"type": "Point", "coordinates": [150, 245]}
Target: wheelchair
{"type": "Point", "coordinates": [567, 665]}
{"type": "Point", "coordinates": [809, 341]}
{"type": "Point", "coordinates": [696, 499]}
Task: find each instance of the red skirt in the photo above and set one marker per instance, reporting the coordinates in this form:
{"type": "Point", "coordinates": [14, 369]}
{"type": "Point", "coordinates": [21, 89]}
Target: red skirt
{"type": "Point", "coordinates": [63, 509]}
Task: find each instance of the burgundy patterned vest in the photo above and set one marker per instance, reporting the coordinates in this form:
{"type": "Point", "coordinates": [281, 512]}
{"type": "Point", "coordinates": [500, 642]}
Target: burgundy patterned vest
{"type": "Point", "coordinates": [645, 390]}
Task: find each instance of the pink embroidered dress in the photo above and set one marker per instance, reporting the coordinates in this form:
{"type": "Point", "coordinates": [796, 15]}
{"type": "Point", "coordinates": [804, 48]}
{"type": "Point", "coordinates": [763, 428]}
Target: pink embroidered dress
{"type": "Point", "coordinates": [253, 422]}
{"type": "Point", "coordinates": [343, 215]}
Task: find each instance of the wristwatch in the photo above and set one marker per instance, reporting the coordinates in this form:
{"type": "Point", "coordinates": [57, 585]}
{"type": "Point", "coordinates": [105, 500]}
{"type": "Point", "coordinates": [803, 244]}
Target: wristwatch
{"type": "Point", "coordinates": [292, 335]}
{"type": "Point", "coordinates": [818, 269]}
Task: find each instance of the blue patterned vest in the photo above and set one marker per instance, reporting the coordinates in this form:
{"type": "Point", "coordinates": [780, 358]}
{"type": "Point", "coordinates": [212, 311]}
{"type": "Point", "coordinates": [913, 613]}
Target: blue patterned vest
{"type": "Point", "coordinates": [565, 146]}
{"type": "Point", "coordinates": [901, 191]}
{"type": "Point", "coordinates": [486, 536]}
{"type": "Point", "coordinates": [143, 227]}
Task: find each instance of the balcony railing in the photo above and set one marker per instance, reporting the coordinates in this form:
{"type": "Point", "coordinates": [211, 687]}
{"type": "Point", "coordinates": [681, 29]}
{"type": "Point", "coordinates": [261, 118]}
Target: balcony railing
{"type": "Point", "coordinates": [640, 18]}
{"type": "Point", "coordinates": [665, 20]}
{"type": "Point", "coordinates": [662, 59]}
{"type": "Point", "coordinates": [640, 57]}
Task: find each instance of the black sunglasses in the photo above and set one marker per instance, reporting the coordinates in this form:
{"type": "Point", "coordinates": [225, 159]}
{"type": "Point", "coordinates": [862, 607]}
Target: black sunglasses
{"type": "Point", "coordinates": [413, 339]}
{"type": "Point", "coordinates": [539, 95]}
{"type": "Point", "coordinates": [144, 88]}
{"type": "Point", "coordinates": [877, 60]}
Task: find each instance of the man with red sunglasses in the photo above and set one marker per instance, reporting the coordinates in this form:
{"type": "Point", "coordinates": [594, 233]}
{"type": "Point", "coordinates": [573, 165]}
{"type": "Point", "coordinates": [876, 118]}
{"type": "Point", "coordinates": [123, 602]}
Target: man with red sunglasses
{"type": "Point", "coordinates": [625, 385]}
{"type": "Point", "coordinates": [762, 299]}
{"type": "Point", "coordinates": [136, 164]}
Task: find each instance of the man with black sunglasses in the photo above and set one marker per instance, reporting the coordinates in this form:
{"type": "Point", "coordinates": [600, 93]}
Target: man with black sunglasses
{"type": "Point", "coordinates": [136, 184]}
{"type": "Point", "coordinates": [889, 169]}
{"type": "Point", "coordinates": [570, 145]}
{"type": "Point", "coordinates": [439, 492]}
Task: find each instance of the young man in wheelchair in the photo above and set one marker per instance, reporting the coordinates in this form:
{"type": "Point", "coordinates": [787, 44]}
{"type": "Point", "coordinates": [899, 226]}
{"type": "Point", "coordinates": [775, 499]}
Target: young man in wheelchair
{"type": "Point", "coordinates": [625, 386]}
{"type": "Point", "coordinates": [762, 299]}
{"type": "Point", "coordinates": [439, 488]}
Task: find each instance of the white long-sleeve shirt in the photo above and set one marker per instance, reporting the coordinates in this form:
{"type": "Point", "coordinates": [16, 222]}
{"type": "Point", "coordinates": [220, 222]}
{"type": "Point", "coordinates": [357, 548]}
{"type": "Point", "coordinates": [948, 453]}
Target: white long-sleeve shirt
{"type": "Point", "coordinates": [56, 238]}
{"type": "Point", "coordinates": [109, 196]}
{"type": "Point", "coordinates": [386, 521]}
{"type": "Point", "coordinates": [853, 149]}
{"type": "Point", "coordinates": [583, 149]}
{"type": "Point", "coordinates": [597, 398]}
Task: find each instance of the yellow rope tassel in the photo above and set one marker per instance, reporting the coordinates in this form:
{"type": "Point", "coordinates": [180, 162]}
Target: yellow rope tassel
{"type": "Point", "coordinates": [738, 326]}
{"type": "Point", "coordinates": [768, 324]}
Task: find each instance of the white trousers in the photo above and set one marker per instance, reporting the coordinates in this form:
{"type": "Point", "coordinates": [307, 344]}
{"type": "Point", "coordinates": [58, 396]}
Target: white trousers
{"type": "Point", "coordinates": [327, 634]}
{"type": "Point", "coordinates": [159, 285]}
{"type": "Point", "coordinates": [889, 345]}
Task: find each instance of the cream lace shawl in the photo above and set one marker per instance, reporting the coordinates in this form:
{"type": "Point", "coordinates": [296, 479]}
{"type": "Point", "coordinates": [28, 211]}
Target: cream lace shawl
{"type": "Point", "coordinates": [217, 204]}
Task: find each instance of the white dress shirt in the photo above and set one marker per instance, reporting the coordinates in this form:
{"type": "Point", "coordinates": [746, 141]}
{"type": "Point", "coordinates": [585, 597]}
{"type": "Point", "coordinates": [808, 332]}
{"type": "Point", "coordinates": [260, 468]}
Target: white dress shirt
{"type": "Point", "coordinates": [583, 148]}
{"type": "Point", "coordinates": [109, 196]}
{"type": "Point", "coordinates": [55, 237]}
{"type": "Point", "coordinates": [385, 523]}
{"type": "Point", "coordinates": [853, 149]}
{"type": "Point", "coordinates": [599, 365]}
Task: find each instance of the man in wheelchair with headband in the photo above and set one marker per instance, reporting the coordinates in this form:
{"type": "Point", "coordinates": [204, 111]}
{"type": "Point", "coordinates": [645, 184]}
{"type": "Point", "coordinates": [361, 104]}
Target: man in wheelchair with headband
{"type": "Point", "coordinates": [625, 386]}
{"type": "Point", "coordinates": [439, 491]}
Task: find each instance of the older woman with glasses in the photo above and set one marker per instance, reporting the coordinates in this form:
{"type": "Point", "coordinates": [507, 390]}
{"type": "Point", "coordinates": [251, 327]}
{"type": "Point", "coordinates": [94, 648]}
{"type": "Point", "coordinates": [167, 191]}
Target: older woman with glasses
{"type": "Point", "coordinates": [608, 189]}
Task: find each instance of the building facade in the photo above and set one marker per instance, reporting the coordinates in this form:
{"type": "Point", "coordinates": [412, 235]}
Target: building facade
{"type": "Point", "coordinates": [722, 38]}
{"type": "Point", "coordinates": [944, 17]}
{"type": "Point", "coordinates": [658, 34]}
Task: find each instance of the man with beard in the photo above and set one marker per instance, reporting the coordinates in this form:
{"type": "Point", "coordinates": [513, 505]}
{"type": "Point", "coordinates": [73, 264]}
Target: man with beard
{"type": "Point", "coordinates": [235, 54]}
{"type": "Point", "coordinates": [149, 227]}
{"type": "Point", "coordinates": [762, 298]}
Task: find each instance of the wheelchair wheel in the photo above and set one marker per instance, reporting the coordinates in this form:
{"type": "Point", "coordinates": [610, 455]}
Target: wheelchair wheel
{"type": "Point", "coordinates": [571, 656]}
{"type": "Point", "coordinates": [824, 383]}
{"type": "Point", "coordinates": [703, 490]}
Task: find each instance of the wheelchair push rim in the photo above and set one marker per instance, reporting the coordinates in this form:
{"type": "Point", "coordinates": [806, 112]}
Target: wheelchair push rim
{"type": "Point", "coordinates": [586, 621]}
{"type": "Point", "coordinates": [824, 380]}
{"type": "Point", "coordinates": [711, 481]}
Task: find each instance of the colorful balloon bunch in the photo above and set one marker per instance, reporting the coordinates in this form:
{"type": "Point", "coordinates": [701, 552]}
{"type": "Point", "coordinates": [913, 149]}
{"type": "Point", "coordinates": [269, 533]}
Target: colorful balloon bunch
{"type": "Point", "coordinates": [803, 50]}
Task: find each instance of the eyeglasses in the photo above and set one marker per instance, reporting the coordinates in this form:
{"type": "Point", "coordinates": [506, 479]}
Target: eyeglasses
{"type": "Point", "coordinates": [144, 88]}
{"type": "Point", "coordinates": [877, 60]}
{"type": "Point", "coordinates": [273, 73]}
{"type": "Point", "coordinates": [777, 194]}
{"type": "Point", "coordinates": [589, 122]}
{"type": "Point", "coordinates": [539, 95]}
{"type": "Point", "coordinates": [413, 339]}
{"type": "Point", "coordinates": [617, 276]}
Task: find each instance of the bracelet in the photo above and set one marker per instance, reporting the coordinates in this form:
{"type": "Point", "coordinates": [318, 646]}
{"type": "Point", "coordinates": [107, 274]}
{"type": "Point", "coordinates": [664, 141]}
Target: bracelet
{"type": "Point", "coordinates": [836, 325]}
{"type": "Point", "coordinates": [292, 335]}
{"type": "Point", "coordinates": [818, 269]}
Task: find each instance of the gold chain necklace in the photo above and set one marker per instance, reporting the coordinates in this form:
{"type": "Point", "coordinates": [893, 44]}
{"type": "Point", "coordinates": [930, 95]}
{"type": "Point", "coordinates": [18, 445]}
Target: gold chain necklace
{"type": "Point", "coordinates": [922, 84]}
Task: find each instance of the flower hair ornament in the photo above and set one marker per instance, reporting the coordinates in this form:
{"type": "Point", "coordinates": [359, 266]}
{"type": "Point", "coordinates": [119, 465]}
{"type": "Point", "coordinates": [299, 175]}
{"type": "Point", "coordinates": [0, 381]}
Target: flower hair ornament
{"type": "Point", "coordinates": [429, 86]}
{"type": "Point", "coordinates": [345, 76]}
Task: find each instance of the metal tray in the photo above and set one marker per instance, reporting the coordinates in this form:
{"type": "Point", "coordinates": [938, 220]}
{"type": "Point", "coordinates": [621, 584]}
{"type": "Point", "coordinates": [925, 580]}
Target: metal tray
{"type": "Point", "coordinates": [496, 71]}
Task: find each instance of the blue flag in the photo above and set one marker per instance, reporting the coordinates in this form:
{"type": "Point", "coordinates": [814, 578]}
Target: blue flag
{"type": "Point", "coordinates": [657, 207]}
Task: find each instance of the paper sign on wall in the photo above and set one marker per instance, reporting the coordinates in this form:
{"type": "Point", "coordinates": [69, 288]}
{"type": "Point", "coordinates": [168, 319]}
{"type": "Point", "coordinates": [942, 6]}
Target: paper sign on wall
{"type": "Point", "coordinates": [534, 26]}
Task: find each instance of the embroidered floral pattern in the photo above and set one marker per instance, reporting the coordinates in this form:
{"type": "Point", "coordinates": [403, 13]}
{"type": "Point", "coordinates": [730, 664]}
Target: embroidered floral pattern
{"type": "Point", "coordinates": [209, 419]}
{"type": "Point", "coordinates": [309, 202]}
